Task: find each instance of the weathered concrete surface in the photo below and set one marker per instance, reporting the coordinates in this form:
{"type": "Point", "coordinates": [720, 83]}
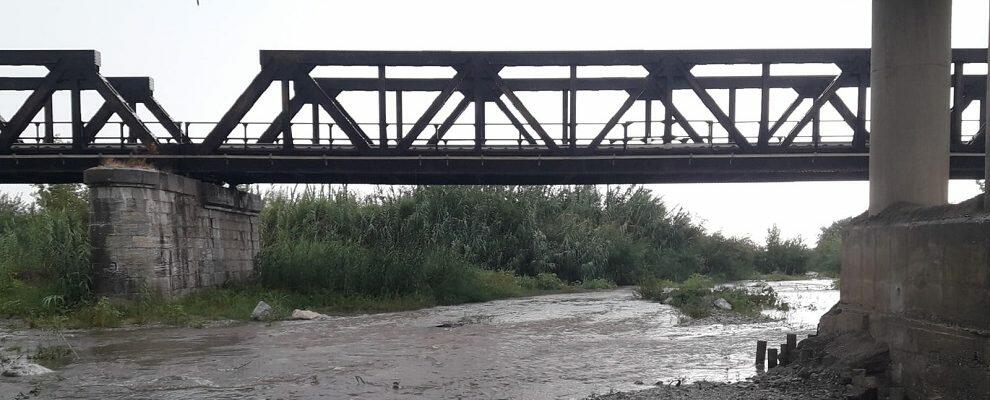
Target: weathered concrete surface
{"type": "Point", "coordinates": [157, 232]}
{"type": "Point", "coordinates": [918, 281]}
{"type": "Point", "coordinates": [909, 103]}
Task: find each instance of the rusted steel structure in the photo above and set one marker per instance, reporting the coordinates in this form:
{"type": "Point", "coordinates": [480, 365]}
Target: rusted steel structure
{"type": "Point", "coordinates": [418, 149]}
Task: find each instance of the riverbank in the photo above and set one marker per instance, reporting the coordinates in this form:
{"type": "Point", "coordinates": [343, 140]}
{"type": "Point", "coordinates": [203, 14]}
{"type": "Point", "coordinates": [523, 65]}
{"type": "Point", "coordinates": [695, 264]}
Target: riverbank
{"type": "Point", "coordinates": [236, 302]}
{"type": "Point", "coordinates": [567, 345]}
{"type": "Point", "coordinates": [777, 384]}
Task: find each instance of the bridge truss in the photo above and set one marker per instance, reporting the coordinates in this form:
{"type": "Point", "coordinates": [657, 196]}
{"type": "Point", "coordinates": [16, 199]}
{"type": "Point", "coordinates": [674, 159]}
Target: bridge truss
{"type": "Point", "coordinates": [524, 149]}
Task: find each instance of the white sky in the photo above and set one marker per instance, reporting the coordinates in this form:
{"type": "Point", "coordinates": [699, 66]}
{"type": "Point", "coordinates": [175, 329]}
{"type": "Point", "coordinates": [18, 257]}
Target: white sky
{"type": "Point", "coordinates": [202, 57]}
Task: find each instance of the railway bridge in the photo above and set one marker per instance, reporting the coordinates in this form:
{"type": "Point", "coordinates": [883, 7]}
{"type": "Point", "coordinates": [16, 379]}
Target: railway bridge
{"type": "Point", "coordinates": [676, 118]}
{"type": "Point", "coordinates": [915, 273]}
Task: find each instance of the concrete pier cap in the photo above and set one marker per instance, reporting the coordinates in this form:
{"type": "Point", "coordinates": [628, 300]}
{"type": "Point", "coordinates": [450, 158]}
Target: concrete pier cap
{"type": "Point", "coordinates": [909, 147]}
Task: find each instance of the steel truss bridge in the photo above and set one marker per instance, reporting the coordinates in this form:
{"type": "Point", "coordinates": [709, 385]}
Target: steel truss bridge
{"type": "Point", "coordinates": [401, 148]}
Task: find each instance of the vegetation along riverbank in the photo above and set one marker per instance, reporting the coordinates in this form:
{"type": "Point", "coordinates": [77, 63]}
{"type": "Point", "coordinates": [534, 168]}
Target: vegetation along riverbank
{"type": "Point", "coordinates": [338, 251]}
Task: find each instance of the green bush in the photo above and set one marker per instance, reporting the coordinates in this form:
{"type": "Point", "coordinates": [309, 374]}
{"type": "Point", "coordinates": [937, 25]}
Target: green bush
{"type": "Point", "coordinates": [695, 297]}
{"type": "Point", "coordinates": [597, 284]}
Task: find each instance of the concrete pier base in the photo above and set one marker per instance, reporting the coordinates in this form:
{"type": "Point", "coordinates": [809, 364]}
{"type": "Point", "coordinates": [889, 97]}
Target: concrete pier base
{"type": "Point", "coordinates": [917, 280]}
{"type": "Point", "coordinates": [160, 233]}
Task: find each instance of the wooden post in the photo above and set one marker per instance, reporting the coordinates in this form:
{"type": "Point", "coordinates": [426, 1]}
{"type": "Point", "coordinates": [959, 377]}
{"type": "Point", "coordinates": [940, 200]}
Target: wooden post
{"type": "Point", "coordinates": [771, 358]}
{"type": "Point", "coordinates": [761, 352]}
{"type": "Point", "coordinates": [784, 357]}
{"type": "Point", "coordinates": [791, 346]}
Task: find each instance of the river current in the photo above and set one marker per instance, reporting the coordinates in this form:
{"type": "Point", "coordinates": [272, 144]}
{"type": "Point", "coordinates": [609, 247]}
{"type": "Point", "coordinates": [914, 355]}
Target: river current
{"type": "Point", "coordinates": [544, 347]}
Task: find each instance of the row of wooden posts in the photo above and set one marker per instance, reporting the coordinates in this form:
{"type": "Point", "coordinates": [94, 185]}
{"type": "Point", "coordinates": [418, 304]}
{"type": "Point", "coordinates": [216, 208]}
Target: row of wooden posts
{"type": "Point", "coordinates": [771, 357]}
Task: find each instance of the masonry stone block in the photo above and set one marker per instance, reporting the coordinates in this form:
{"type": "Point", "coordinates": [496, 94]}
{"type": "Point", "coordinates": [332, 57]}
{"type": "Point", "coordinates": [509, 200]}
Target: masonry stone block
{"type": "Point", "coordinates": [167, 234]}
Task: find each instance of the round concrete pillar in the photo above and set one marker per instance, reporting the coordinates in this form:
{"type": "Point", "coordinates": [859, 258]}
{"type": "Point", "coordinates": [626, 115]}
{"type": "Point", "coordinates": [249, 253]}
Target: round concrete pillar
{"type": "Point", "coordinates": [909, 79]}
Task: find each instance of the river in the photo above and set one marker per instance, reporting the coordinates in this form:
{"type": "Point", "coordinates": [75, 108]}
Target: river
{"type": "Point", "coordinates": [546, 347]}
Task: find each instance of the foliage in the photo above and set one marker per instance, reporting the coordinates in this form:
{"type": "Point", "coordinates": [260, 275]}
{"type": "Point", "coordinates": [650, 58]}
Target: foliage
{"type": "Point", "coordinates": [695, 296]}
{"type": "Point", "coordinates": [44, 251]}
{"type": "Point", "coordinates": [785, 256]}
{"type": "Point", "coordinates": [826, 256]}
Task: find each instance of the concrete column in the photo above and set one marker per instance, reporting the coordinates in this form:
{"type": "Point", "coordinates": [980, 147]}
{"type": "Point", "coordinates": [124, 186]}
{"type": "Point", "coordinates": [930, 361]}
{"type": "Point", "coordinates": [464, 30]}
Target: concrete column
{"type": "Point", "coordinates": [909, 141]}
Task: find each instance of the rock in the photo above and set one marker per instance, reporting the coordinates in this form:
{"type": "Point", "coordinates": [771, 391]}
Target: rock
{"type": "Point", "coordinates": [667, 300]}
{"type": "Point", "coordinates": [262, 311]}
{"type": "Point", "coordinates": [20, 367]}
{"type": "Point", "coordinates": [638, 383]}
{"type": "Point", "coordinates": [721, 303]}
{"type": "Point", "coordinates": [306, 314]}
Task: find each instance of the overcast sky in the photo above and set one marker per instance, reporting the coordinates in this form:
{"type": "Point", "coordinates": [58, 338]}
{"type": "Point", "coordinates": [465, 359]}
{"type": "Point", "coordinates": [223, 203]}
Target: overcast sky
{"type": "Point", "coordinates": [202, 56]}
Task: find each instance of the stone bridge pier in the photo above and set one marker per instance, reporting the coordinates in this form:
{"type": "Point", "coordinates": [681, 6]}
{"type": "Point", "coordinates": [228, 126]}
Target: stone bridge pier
{"type": "Point", "coordinates": [158, 233]}
{"type": "Point", "coordinates": [915, 271]}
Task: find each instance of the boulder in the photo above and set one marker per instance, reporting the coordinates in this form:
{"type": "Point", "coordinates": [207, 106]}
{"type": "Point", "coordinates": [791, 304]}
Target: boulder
{"type": "Point", "coordinates": [262, 311]}
{"type": "Point", "coordinates": [721, 303]}
{"type": "Point", "coordinates": [306, 314]}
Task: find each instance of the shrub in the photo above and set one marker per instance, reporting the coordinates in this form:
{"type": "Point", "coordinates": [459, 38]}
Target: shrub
{"type": "Point", "coordinates": [597, 284]}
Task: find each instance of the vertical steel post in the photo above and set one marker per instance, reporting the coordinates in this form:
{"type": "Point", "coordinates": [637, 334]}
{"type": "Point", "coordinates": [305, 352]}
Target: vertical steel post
{"type": "Point", "coordinates": [398, 116]}
{"type": "Point", "coordinates": [78, 141]}
{"type": "Point", "coordinates": [668, 114]}
{"type": "Point", "coordinates": [49, 122]}
{"type": "Point", "coordinates": [287, 121]}
{"type": "Point", "coordinates": [316, 124]}
{"type": "Point", "coordinates": [649, 120]}
{"type": "Point", "coordinates": [955, 120]}
{"type": "Point", "coordinates": [382, 124]}
{"type": "Point", "coordinates": [573, 108]}
{"type": "Point", "coordinates": [563, 118]}
{"type": "Point", "coordinates": [479, 121]}
{"type": "Point", "coordinates": [131, 137]}
{"type": "Point", "coordinates": [764, 134]}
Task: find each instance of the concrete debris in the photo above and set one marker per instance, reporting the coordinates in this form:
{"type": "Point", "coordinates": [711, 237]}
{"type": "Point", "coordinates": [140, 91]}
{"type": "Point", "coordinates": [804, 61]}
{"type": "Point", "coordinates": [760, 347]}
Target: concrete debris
{"type": "Point", "coordinates": [721, 303]}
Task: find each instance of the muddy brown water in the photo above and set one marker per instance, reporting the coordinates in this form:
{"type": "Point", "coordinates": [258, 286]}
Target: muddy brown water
{"type": "Point", "coordinates": [545, 347]}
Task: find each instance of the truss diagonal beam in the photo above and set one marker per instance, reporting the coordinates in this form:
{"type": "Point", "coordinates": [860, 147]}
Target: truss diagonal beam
{"type": "Point", "coordinates": [822, 98]}
{"type": "Point", "coordinates": [97, 122]}
{"type": "Point", "coordinates": [166, 120]}
{"type": "Point", "coordinates": [32, 105]}
{"type": "Point", "coordinates": [515, 121]}
{"type": "Point", "coordinates": [354, 133]}
{"type": "Point", "coordinates": [528, 116]}
{"type": "Point", "coordinates": [669, 107]}
{"type": "Point", "coordinates": [449, 121]}
{"type": "Point", "coordinates": [784, 116]}
{"type": "Point", "coordinates": [119, 106]}
{"type": "Point", "coordinates": [275, 129]}
{"type": "Point", "coordinates": [431, 111]}
{"type": "Point", "coordinates": [241, 106]}
{"type": "Point", "coordinates": [859, 132]}
{"type": "Point", "coordinates": [712, 106]}
{"type": "Point", "coordinates": [635, 95]}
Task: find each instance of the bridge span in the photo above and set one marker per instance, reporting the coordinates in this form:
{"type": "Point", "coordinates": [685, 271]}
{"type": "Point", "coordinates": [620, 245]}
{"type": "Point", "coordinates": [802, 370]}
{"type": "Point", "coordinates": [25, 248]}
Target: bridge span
{"type": "Point", "coordinates": [685, 127]}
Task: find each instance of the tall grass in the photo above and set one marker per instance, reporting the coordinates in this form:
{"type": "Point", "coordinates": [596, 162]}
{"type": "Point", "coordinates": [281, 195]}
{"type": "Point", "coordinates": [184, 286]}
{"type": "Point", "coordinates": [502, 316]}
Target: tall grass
{"type": "Point", "coordinates": [44, 251]}
{"type": "Point", "coordinates": [431, 240]}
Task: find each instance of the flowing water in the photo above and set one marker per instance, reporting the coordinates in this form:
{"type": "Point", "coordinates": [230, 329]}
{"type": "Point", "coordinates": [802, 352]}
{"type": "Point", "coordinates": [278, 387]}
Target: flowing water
{"type": "Point", "coordinates": [546, 347]}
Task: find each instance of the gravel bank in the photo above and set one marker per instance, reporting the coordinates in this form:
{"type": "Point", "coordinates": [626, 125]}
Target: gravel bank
{"type": "Point", "coordinates": [779, 384]}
